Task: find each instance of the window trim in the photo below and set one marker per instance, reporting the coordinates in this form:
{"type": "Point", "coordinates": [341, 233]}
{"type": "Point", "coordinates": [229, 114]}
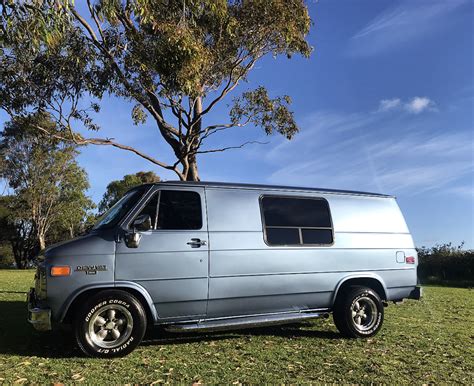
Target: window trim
{"type": "Point", "coordinates": [301, 245]}
{"type": "Point", "coordinates": [157, 209]}
{"type": "Point", "coordinates": [133, 213]}
{"type": "Point", "coordinates": [149, 196]}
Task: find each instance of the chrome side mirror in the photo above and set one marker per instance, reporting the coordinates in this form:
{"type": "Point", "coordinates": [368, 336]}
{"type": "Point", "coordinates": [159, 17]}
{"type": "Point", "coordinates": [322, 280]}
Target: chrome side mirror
{"type": "Point", "coordinates": [141, 223]}
{"type": "Point", "coordinates": [132, 239]}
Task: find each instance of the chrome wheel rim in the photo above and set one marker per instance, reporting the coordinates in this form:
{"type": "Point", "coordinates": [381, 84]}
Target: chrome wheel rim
{"type": "Point", "coordinates": [110, 326]}
{"type": "Point", "coordinates": [364, 313]}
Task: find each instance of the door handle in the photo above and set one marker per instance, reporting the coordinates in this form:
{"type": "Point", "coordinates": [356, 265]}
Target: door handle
{"type": "Point", "coordinates": [196, 243]}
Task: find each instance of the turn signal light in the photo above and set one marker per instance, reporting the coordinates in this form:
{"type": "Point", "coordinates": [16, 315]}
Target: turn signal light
{"type": "Point", "coordinates": [410, 260]}
{"type": "Point", "coordinates": [60, 270]}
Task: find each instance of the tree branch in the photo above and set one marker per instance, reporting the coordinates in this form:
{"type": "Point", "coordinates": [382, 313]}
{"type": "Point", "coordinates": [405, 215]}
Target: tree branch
{"type": "Point", "coordinates": [153, 106]}
{"type": "Point", "coordinates": [231, 83]}
{"type": "Point", "coordinates": [96, 21]}
{"type": "Point", "coordinates": [231, 147]}
{"type": "Point", "coordinates": [108, 142]}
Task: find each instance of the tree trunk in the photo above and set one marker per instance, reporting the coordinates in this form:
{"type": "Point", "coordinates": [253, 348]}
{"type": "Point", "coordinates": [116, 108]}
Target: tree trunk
{"type": "Point", "coordinates": [41, 241]}
{"type": "Point", "coordinates": [193, 174]}
{"type": "Point", "coordinates": [19, 261]}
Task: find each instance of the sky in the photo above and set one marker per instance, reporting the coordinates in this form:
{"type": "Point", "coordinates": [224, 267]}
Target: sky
{"type": "Point", "coordinates": [384, 104]}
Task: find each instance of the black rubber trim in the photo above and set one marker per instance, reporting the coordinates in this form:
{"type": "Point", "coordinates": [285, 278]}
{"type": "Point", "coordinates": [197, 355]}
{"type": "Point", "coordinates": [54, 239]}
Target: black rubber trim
{"type": "Point", "coordinates": [416, 293]}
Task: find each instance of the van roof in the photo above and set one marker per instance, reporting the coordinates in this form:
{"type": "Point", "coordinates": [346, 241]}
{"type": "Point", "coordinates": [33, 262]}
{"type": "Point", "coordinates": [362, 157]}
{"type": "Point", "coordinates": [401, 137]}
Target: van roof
{"type": "Point", "coordinates": [232, 185]}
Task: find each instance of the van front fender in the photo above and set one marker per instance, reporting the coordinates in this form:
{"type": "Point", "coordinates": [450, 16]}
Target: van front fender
{"type": "Point", "coordinates": [126, 285]}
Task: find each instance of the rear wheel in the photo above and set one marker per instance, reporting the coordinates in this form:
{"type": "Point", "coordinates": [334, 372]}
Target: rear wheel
{"type": "Point", "coordinates": [110, 324]}
{"type": "Point", "coordinates": [358, 312]}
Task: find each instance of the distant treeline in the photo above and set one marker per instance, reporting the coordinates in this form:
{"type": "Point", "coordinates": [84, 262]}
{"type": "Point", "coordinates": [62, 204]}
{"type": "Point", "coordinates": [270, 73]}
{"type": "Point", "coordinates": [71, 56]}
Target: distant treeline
{"type": "Point", "coordinates": [446, 264]}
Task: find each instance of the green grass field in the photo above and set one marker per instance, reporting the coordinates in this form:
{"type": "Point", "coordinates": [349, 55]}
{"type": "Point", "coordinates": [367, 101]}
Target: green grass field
{"type": "Point", "coordinates": [421, 342]}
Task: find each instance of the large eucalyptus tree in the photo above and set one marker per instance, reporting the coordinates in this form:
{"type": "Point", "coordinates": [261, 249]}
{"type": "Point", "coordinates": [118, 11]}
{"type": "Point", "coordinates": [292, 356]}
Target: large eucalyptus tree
{"type": "Point", "coordinates": [174, 59]}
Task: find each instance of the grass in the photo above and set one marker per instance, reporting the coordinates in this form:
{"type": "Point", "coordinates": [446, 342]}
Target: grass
{"type": "Point", "coordinates": [430, 341]}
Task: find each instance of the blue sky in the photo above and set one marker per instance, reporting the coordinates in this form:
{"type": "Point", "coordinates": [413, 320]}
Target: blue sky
{"type": "Point", "coordinates": [385, 104]}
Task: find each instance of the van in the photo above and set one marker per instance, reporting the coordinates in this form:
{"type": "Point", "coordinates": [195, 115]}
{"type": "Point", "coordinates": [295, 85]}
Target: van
{"type": "Point", "coordinates": [194, 256]}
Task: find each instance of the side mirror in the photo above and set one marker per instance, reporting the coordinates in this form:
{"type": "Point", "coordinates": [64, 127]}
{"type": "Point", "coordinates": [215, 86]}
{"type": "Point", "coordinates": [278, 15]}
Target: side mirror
{"type": "Point", "coordinates": [132, 239]}
{"type": "Point", "coordinates": [142, 223]}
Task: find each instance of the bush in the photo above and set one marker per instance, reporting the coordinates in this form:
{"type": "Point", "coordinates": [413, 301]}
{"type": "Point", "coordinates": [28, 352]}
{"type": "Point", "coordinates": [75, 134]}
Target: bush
{"type": "Point", "coordinates": [446, 264]}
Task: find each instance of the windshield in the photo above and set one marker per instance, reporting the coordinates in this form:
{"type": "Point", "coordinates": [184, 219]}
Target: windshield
{"type": "Point", "coordinates": [113, 216]}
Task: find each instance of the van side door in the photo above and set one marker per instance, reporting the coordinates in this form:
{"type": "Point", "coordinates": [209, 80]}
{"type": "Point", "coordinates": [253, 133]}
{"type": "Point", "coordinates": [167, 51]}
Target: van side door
{"type": "Point", "coordinates": [268, 252]}
{"type": "Point", "coordinates": [171, 260]}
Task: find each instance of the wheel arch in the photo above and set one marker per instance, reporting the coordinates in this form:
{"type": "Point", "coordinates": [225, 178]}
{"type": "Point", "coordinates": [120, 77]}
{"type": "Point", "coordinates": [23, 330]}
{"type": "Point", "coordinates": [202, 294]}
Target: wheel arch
{"type": "Point", "coordinates": [372, 281]}
{"type": "Point", "coordinates": [134, 289]}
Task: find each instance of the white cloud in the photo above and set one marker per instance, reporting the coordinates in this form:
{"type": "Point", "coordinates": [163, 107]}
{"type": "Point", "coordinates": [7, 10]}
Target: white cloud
{"type": "Point", "coordinates": [419, 104]}
{"type": "Point", "coordinates": [415, 105]}
{"type": "Point", "coordinates": [401, 24]}
{"type": "Point", "coordinates": [389, 104]}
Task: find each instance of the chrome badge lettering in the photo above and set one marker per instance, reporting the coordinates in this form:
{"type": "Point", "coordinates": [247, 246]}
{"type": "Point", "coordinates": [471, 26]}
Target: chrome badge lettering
{"type": "Point", "coordinates": [90, 269]}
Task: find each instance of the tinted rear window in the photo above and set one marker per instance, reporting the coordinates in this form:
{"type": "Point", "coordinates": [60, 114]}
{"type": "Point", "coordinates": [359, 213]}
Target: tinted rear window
{"type": "Point", "coordinates": [296, 221]}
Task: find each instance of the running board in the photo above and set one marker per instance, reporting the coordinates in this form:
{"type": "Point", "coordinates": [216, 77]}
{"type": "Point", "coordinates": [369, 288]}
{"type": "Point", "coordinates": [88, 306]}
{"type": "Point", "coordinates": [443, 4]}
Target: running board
{"type": "Point", "coordinates": [244, 322]}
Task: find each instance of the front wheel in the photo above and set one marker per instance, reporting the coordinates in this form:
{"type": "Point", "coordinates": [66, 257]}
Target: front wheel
{"type": "Point", "coordinates": [358, 312]}
{"type": "Point", "coordinates": [110, 324]}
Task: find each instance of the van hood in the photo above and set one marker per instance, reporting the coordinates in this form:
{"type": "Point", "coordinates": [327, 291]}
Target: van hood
{"type": "Point", "coordinates": [95, 243]}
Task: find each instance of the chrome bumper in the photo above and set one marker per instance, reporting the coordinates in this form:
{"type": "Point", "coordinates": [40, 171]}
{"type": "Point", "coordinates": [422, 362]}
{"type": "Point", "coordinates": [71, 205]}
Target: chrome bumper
{"type": "Point", "coordinates": [39, 316]}
{"type": "Point", "coordinates": [416, 294]}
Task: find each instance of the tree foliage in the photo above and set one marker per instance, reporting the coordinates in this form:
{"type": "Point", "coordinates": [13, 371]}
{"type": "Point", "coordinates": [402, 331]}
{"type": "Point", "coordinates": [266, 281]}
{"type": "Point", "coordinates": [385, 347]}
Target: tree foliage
{"type": "Point", "coordinates": [446, 264]}
{"type": "Point", "coordinates": [116, 189]}
{"type": "Point", "coordinates": [174, 59]}
{"type": "Point", "coordinates": [48, 184]}
{"type": "Point", "coordinates": [17, 230]}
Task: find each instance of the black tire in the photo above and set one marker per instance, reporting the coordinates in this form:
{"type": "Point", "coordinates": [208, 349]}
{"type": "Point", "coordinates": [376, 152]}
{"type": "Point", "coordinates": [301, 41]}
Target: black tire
{"type": "Point", "coordinates": [358, 312]}
{"type": "Point", "coordinates": [110, 324]}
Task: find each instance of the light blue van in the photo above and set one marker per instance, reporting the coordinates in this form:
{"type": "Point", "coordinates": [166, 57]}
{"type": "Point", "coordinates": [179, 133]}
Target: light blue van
{"type": "Point", "coordinates": [209, 256]}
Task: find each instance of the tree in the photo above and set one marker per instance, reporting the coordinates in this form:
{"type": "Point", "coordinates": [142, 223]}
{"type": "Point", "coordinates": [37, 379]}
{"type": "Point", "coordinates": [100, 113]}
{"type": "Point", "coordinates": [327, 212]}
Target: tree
{"type": "Point", "coordinates": [17, 230]}
{"type": "Point", "coordinates": [116, 189]}
{"type": "Point", "coordinates": [176, 60]}
{"type": "Point", "coordinates": [48, 184]}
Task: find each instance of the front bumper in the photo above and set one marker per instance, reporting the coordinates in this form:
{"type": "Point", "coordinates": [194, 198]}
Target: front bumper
{"type": "Point", "coordinates": [416, 294]}
{"type": "Point", "coordinates": [38, 315]}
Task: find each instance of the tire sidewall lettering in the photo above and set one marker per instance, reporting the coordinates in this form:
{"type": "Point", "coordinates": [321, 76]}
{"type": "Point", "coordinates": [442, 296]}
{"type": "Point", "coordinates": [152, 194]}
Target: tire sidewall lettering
{"type": "Point", "coordinates": [119, 302]}
{"type": "Point", "coordinates": [122, 346]}
{"type": "Point", "coordinates": [115, 350]}
{"type": "Point", "coordinates": [93, 310]}
{"type": "Point", "coordinates": [103, 303]}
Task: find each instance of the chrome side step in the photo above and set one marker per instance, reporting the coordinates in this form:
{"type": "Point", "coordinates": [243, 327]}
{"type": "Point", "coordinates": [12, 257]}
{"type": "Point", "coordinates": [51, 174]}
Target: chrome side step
{"type": "Point", "coordinates": [244, 322]}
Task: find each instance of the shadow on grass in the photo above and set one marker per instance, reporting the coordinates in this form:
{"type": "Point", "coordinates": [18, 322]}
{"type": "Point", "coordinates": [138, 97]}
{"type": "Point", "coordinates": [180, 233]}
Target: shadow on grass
{"type": "Point", "coordinates": [158, 336]}
{"type": "Point", "coordinates": [17, 337]}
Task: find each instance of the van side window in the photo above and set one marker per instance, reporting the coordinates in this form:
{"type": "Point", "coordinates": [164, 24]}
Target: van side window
{"type": "Point", "coordinates": [296, 221]}
{"type": "Point", "coordinates": [179, 209]}
{"type": "Point", "coordinates": [176, 210]}
{"type": "Point", "coordinates": [150, 209]}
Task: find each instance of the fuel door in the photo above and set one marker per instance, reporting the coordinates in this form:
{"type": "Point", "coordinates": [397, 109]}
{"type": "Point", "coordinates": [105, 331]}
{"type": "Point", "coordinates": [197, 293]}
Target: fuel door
{"type": "Point", "coordinates": [400, 257]}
